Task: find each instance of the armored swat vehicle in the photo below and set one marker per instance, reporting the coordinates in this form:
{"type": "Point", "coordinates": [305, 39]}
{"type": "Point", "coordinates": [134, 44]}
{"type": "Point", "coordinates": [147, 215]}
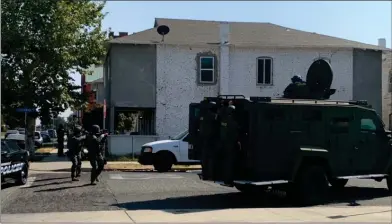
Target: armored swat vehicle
{"type": "Point", "coordinates": [297, 145]}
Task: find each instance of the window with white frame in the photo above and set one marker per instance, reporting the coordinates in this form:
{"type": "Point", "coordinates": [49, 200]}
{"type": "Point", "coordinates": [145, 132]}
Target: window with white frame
{"type": "Point", "coordinates": [207, 70]}
{"type": "Point", "coordinates": [264, 71]}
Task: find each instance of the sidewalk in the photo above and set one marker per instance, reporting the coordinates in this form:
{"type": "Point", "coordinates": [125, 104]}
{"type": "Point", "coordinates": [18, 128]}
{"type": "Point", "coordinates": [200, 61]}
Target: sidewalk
{"type": "Point", "coordinates": [53, 163]}
{"type": "Point", "coordinates": [371, 214]}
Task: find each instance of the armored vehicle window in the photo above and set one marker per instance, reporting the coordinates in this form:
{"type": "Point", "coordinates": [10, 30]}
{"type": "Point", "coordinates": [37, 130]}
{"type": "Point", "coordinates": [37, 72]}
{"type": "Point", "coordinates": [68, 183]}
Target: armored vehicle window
{"type": "Point", "coordinates": [197, 111]}
{"type": "Point", "coordinates": [340, 125]}
{"type": "Point", "coordinates": [368, 125]}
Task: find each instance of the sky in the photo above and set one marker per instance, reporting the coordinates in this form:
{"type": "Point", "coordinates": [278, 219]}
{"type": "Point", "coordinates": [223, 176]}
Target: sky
{"type": "Point", "coordinates": [359, 21]}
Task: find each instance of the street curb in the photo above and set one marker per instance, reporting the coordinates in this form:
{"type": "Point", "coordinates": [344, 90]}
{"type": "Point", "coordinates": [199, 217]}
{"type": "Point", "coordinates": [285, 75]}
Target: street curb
{"type": "Point", "coordinates": [119, 170]}
{"type": "Point", "coordinates": [152, 170]}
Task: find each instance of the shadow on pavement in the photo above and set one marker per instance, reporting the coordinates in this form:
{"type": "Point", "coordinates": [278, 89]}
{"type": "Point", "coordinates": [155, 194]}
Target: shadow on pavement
{"type": "Point", "coordinates": [353, 194]}
{"type": "Point", "coordinates": [239, 200]}
{"type": "Point", "coordinates": [7, 184]}
{"type": "Point", "coordinates": [48, 179]}
{"type": "Point", "coordinates": [63, 188]}
{"type": "Point", "coordinates": [52, 183]}
{"type": "Point", "coordinates": [87, 170]}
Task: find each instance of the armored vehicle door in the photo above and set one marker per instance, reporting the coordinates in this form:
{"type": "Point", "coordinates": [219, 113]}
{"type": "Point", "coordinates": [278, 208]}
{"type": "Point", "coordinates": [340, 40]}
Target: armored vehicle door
{"type": "Point", "coordinates": [194, 150]}
{"type": "Point", "coordinates": [340, 139]}
{"type": "Point", "coordinates": [372, 144]}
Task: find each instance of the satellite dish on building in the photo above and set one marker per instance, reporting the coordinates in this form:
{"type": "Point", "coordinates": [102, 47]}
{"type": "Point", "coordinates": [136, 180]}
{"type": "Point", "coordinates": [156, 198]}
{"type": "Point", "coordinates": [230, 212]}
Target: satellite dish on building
{"type": "Point", "coordinates": [163, 30]}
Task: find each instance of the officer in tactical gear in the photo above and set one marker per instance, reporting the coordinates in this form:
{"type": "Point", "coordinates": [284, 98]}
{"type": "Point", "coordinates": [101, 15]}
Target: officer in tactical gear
{"type": "Point", "coordinates": [96, 151]}
{"type": "Point", "coordinates": [74, 152]}
{"type": "Point", "coordinates": [60, 140]}
{"type": "Point", "coordinates": [208, 134]}
{"type": "Point", "coordinates": [229, 138]}
{"type": "Point", "coordinates": [297, 79]}
{"type": "Point", "coordinates": [297, 89]}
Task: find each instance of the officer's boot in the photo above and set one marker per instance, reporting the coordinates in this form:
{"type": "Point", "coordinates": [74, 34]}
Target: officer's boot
{"type": "Point", "coordinates": [93, 177]}
{"type": "Point", "coordinates": [73, 169]}
{"type": "Point", "coordinates": [74, 177]}
{"type": "Point", "coordinates": [78, 170]}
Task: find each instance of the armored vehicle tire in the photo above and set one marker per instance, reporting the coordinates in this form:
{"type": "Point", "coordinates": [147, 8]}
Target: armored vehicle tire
{"type": "Point", "coordinates": [163, 162]}
{"type": "Point", "coordinates": [21, 177]}
{"type": "Point", "coordinates": [311, 186]}
{"type": "Point", "coordinates": [338, 183]}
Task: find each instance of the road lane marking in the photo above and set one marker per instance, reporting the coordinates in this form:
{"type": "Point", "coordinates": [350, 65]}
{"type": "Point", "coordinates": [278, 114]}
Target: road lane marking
{"type": "Point", "coordinates": [115, 177]}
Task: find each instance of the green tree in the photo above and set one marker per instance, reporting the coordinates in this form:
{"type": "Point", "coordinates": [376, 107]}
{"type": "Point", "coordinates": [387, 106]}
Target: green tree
{"type": "Point", "coordinates": [43, 42]}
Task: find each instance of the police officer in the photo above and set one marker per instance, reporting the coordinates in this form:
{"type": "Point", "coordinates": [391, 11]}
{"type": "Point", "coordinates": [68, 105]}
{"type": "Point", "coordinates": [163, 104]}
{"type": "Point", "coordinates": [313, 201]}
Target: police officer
{"type": "Point", "coordinates": [296, 89]}
{"type": "Point", "coordinates": [229, 136]}
{"type": "Point", "coordinates": [297, 79]}
{"type": "Point", "coordinates": [96, 152]}
{"type": "Point", "coordinates": [60, 140]}
{"type": "Point", "coordinates": [74, 153]}
{"type": "Point", "coordinates": [208, 134]}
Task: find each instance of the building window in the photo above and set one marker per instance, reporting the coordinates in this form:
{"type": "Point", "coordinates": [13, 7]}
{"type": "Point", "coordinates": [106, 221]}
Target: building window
{"type": "Point", "coordinates": [207, 69]}
{"type": "Point", "coordinates": [264, 71]}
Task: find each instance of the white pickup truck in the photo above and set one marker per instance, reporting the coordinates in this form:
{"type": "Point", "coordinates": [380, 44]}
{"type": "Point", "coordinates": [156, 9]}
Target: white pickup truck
{"type": "Point", "coordinates": [166, 153]}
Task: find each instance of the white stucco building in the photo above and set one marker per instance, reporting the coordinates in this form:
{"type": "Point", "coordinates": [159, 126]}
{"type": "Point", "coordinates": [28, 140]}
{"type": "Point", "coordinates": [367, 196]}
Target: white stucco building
{"type": "Point", "coordinates": [207, 58]}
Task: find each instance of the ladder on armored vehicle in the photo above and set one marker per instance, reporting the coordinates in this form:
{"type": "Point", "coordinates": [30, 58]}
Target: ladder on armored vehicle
{"type": "Point", "coordinates": [308, 101]}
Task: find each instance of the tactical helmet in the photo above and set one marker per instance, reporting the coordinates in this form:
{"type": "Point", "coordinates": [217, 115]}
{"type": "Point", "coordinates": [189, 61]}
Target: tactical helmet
{"type": "Point", "coordinates": [296, 78]}
{"type": "Point", "coordinates": [77, 130]}
{"type": "Point", "coordinates": [95, 129]}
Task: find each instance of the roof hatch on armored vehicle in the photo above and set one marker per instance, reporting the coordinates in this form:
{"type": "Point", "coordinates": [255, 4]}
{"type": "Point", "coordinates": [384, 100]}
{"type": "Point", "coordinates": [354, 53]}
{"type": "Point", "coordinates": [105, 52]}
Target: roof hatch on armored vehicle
{"type": "Point", "coordinates": [319, 75]}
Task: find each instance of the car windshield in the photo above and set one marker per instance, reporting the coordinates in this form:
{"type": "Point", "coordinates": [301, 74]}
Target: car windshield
{"type": "Point", "coordinates": [12, 144]}
{"type": "Point", "coordinates": [180, 136]}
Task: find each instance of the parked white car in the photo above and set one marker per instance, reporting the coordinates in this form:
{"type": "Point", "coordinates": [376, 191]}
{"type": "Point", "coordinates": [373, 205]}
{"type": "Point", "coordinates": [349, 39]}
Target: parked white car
{"type": "Point", "coordinates": [38, 140]}
{"type": "Point", "coordinates": [11, 132]}
{"type": "Point", "coordinates": [166, 153]}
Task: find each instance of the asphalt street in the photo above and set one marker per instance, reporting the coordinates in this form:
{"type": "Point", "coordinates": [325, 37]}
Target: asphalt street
{"type": "Point", "coordinates": [55, 192]}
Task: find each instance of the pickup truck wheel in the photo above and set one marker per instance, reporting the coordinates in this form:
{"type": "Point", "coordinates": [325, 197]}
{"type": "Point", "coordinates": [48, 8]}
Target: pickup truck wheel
{"type": "Point", "coordinates": [23, 175]}
{"type": "Point", "coordinates": [311, 186]}
{"type": "Point", "coordinates": [163, 162]}
{"type": "Point", "coordinates": [338, 183]}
